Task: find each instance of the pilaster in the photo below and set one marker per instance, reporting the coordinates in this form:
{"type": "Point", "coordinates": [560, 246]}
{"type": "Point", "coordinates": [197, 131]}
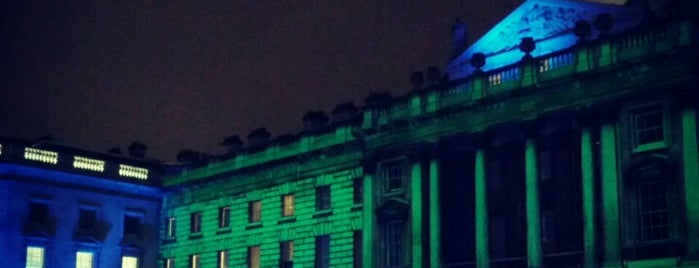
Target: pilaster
{"type": "Point", "coordinates": [481, 201]}
{"type": "Point", "coordinates": [435, 235]}
{"type": "Point", "coordinates": [534, 251]}
{"type": "Point", "coordinates": [416, 212]}
{"type": "Point", "coordinates": [588, 196]}
{"type": "Point", "coordinates": [610, 195]}
{"type": "Point", "coordinates": [690, 159]}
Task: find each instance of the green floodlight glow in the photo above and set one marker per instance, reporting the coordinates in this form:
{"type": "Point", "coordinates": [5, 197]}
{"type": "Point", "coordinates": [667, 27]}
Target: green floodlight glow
{"type": "Point", "coordinates": [416, 209]}
{"type": "Point", "coordinates": [482, 256]}
{"type": "Point", "coordinates": [610, 193]}
{"type": "Point", "coordinates": [690, 157]}
{"type": "Point", "coordinates": [532, 204]}
{"type": "Point", "coordinates": [588, 196]}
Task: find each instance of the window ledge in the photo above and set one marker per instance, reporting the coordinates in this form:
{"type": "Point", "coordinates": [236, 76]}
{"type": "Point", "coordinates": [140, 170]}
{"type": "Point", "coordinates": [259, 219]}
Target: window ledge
{"type": "Point", "coordinates": [196, 235]}
{"type": "Point", "coordinates": [357, 207]}
{"type": "Point", "coordinates": [223, 230]}
{"type": "Point", "coordinates": [287, 219]}
{"type": "Point", "coordinates": [650, 147]}
{"type": "Point", "coordinates": [253, 225]}
{"type": "Point", "coordinates": [323, 213]}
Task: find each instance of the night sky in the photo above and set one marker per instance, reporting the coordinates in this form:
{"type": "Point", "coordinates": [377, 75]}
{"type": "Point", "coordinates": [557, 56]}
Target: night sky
{"type": "Point", "coordinates": [186, 74]}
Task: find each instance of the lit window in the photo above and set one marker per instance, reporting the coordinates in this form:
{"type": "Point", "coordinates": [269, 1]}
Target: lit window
{"type": "Point", "coordinates": [88, 163]}
{"type": "Point", "coordinates": [254, 257]}
{"type": "Point", "coordinates": [287, 254]}
{"type": "Point", "coordinates": [132, 224]}
{"type": "Point", "coordinates": [288, 205]}
{"type": "Point", "coordinates": [169, 263]}
{"type": "Point", "coordinates": [223, 259]}
{"type": "Point", "coordinates": [194, 261]}
{"type": "Point", "coordinates": [195, 226]}
{"type": "Point", "coordinates": [84, 259]}
{"type": "Point", "coordinates": [35, 257]}
{"type": "Point", "coordinates": [40, 155]}
{"type": "Point", "coordinates": [653, 210]}
{"type": "Point", "coordinates": [133, 172]}
{"type": "Point", "coordinates": [394, 174]}
{"type": "Point", "coordinates": [87, 218]}
{"type": "Point", "coordinates": [171, 224]}
{"type": "Point", "coordinates": [357, 240]}
{"type": "Point", "coordinates": [395, 245]}
{"type": "Point", "coordinates": [129, 262]}
{"type": "Point", "coordinates": [323, 197]}
{"type": "Point", "coordinates": [255, 211]}
{"type": "Point", "coordinates": [323, 251]}
{"type": "Point", "coordinates": [649, 127]}
{"type": "Point", "coordinates": [358, 190]}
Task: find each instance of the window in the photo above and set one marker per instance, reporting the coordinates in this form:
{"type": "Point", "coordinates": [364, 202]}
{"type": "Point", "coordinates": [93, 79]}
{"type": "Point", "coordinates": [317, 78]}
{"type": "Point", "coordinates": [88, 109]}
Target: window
{"type": "Point", "coordinates": [223, 259]}
{"type": "Point", "coordinates": [195, 226]}
{"type": "Point", "coordinates": [287, 254]}
{"type": "Point", "coordinates": [39, 213]}
{"type": "Point", "coordinates": [254, 257]}
{"type": "Point", "coordinates": [84, 259]}
{"type": "Point", "coordinates": [171, 224]}
{"type": "Point", "coordinates": [132, 224]}
{"type": "Point", "coordinates": [649, 127]}
{"type": "Point", "coordinates": [288, 205]}
{"type": "Point", "coordinates": [393, 175]}
{"type": "Point", "coordinates": [357, 240]}
{"type": "Point", "coordinates": [394, 239]}
{"type": "Point", "coordinates": [129, 262]}
{"type": "Point", "coordinates": [323, 197]}
{"type": "Point", "coordinates": [194, 261]}
{"type": "Point", "coordinates": [255, 211]}
{"type": "Point", "coordinates": [653, 211]}
{"type": "Point", "coordinates": [323, 251]}
{"type": "Point", "coordinates": [35, 257]}
{"type": "Point", "coordinates": [224, 217]}
{"type": "Point", "coordinates": [87, 218]}
{"type": "Point", "coordinates": [169, 263]}
{"type": "Point", "coordinates": [358, 190]}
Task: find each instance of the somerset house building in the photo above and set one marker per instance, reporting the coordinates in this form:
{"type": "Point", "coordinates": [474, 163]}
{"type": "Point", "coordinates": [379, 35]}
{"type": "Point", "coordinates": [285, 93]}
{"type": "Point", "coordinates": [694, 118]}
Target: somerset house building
{"type": "Point", "coordinates": [566, 136]}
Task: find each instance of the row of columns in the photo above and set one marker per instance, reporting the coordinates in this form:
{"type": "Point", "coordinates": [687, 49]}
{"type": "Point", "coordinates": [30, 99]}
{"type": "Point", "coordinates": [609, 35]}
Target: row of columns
{"type": "Point", "coordinates": [609, 201]}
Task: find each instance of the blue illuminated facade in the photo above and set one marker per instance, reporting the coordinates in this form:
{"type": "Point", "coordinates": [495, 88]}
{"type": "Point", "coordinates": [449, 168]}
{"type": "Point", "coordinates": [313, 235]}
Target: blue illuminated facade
{"type": "Point", "coordinates": [65, 207]}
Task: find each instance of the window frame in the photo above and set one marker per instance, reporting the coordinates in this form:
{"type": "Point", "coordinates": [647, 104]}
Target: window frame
{"type": "Point", "coordinates": [223, 259]}
{"type": "Point", "coordinates": [139, 227]}
{"type": "Point", "coordinates": [636, 112]}
{"type": "Point", "coordinates": [665, 210]}
{"type": "Point", "coordinates": [92, 254]}
{"type": "Point", "coordinates": [386, 168]}
{"type": "Point", "coordinates": [224, 217]}
{"type": "Point", "coordinates": [286, 253]}
{"type": "Point", "coordinates": [195, 222]}
{"type": "Point", "coordinates": [322, 251]}
{"type": "Point", "coordinates": [254, 256]}
{"type": "Point", "coordinates": [323, 198]}
{"type": "Point", "coordinates": [43, 256]}
{"type": "Point", "coordinates": [358, 191]}
{"type": "Point", "coordinates": [195, 261]}
{"type": "Point", "coordinates": [288, 205]}
{"type": "Point", "coordinates": [255, 211]}
{"type": "Point", "coordinates": [138, 260]}
{"type": "Point", "coordinates": [81, 224]}
{"type": "Point", "coordinates": [400, 243]}
{"type": "Point", "coordinates": [171, 229]}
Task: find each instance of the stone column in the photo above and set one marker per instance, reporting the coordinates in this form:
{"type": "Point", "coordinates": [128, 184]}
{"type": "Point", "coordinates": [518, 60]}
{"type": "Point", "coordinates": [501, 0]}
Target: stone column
{"type": "Point", "coordinates": [435, 235]}
{"type": "Point", "coordinates": [610, 195]}
{"type": "Point", "coordinates": [534, 251]}
{"type": "Point", "coordinates": [368, 221]}
{"type": "Point", "coordinates": [690, 159]}
{"type": "Point", "coordinates": [416, 212]}
{"type": "Point", "coordinates": [481, 202]}
{"type": "Point", "coordinates": [588, 197]}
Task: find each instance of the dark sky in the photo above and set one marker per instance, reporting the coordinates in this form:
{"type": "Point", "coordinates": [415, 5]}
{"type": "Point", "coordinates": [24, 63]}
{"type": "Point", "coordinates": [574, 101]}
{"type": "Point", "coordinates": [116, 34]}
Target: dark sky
{"type": "Point", "coordinates": [186, 74]}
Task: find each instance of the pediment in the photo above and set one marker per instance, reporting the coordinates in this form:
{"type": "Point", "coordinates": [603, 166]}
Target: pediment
{"type": "Point", "coordinates": [548, 22]}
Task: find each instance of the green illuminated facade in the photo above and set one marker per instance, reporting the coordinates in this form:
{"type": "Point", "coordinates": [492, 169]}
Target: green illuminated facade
{"type": "Point", "coordinates": [581, 151]}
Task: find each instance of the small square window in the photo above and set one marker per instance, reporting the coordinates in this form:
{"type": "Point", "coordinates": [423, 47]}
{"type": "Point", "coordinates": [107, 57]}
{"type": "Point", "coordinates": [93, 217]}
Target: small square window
{"type": "Point", "coordinates": [287, 254]}
{"type": "Point", "coordinates": [171, 224]}
{"type": "Point", "coordinates": [358, 190]}
{"type": "Point", "coordinates": [255, 211]}
{"type": "Point", "coordinates": [35, 257]}
{"type": "Point", "coordinates": [84, 259]}
{"type": "Point", "coordinates": [129, 262]}
{"type": "Point", "coordinates": [323, 197]}
{"type": "Point", "coordinates": [195, 226]}
{"type": "Point", "coordinates": [323, 251]}
{"type": "Point", "coordinates": [254, 257]}
{"type": "Point", "coordinates": [132, 224]}
{"type": "Point", "coordinates": [87, 218]}
{"type": "Point", "coordinates": [223, 259]}
{"type": "Point", "coordinates": [288, 205]}
{"type": "Point", "coordinates": [194, 261]}
{"type": "Point", "coordinates": [649, 127]}
{"type": "Point", "coordinates": [224, 217]}
{"type": "Point", "coordinates": [39, 213]}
